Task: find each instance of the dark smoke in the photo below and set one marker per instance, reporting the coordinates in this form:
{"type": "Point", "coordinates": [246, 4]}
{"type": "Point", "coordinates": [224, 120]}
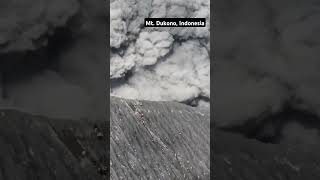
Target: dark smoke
{"type": "Point", "coordinates": [56, 64]}
{"type": "Point", "coordinates": [159, 64]}
{"type": "Point", "coordinates": [266, 76]}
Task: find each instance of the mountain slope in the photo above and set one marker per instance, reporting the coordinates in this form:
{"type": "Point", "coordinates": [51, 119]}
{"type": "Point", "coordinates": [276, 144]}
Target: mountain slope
{"type": "Point", "coordinates": [158, 140]}
{"type": "Point", "coordinates": [236, 157]}
{"type": "Point", "coordinates": [149, 140]}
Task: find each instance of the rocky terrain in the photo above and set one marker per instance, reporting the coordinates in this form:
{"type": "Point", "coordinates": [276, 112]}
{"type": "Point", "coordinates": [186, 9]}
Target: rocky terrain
{"type": "Point", "coordinates": [149, 140]}
{"type": "Point", "coordinates": [158, 140]}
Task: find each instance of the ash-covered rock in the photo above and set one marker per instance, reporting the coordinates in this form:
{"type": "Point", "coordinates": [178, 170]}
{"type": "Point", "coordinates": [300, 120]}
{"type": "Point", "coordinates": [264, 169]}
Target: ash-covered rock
{"type": "Point", "coordinates": [158, 140]}
{"type": "Point", "coordinates": [149, 140]}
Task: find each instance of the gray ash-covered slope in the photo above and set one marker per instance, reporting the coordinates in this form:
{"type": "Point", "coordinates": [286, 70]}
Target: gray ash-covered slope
{"type": "Point", "coordinates": [236, 157]}
{"type": "Point", "coordinates": [158, 140]}
{"type": "Point", "coordinates": [37, 148]}
{"type": "Point", "coordinates": [149, 140]}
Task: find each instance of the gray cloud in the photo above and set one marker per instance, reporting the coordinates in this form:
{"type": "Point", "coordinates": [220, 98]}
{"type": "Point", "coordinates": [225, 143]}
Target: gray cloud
{"type": "Point", "coordinates": [27, 25]}
{"type": "Point", "coordinates": [159, 63]}
{"type": "Point", "coordinates": [267, 58]}
{"type": "Point", "coordinates": [53, 58]}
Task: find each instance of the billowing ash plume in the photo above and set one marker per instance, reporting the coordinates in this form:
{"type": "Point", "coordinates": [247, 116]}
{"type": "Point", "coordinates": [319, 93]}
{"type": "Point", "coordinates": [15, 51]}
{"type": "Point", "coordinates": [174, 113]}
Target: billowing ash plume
{"type": "Point", "coordinates": [53, 57]}
{"type": "Point", "coordinates": [267, 60]}
{"type": "Point", "coordinates": [26, 25]}
{"type": "Point", "coordinates": [159, 63]}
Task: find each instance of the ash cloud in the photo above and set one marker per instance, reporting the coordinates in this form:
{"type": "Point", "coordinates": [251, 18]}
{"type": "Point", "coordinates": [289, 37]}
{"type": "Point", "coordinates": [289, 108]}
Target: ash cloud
{"type": "Point", "coordinates": [26, 25]}
{"type": "Point", "coordinates": [159, 63]}
{"type": "Point", "coordinates": [53, 57]}
{"type": "Point", "coordinates": [267, 59]}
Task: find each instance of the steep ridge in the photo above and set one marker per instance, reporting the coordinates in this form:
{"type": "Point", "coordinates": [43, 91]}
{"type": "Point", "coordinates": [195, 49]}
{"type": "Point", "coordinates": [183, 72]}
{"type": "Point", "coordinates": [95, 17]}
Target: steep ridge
{"type": "Point", "coordinates": [158, 140]}
{"type": "Point", "coordinates": [149, 140]}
